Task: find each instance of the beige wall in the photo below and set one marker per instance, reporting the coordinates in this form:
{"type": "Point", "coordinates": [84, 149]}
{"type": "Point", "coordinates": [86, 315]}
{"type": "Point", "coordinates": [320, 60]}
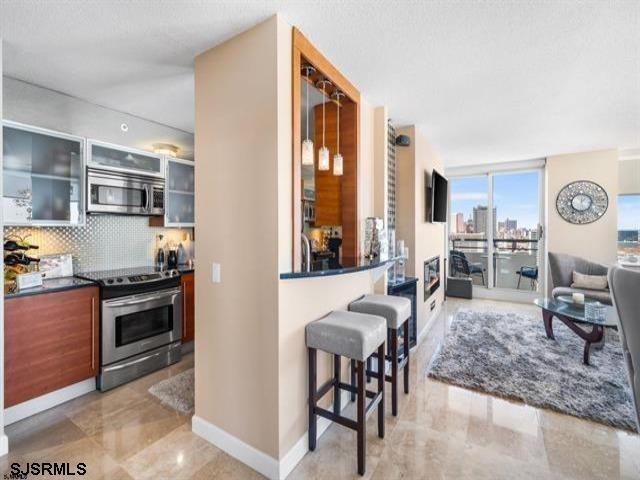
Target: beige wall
{"type": "Point", "coordinates": [301, 302]}
{"type": "Point", "coordinates": [251, 362]}
{"type": "Point", "coordinates": [237, 141]}
{"type": "Point", "coordinates": [424, 239]}
{"type": "Point", "coordinates": [595, 241]}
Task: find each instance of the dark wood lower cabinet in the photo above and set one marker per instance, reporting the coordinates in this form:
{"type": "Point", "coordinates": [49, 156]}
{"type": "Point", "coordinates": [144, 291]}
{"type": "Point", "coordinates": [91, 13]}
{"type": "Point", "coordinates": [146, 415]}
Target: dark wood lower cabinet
{"type": "Point", "coordinates": [188, 307]}
{"type": "Point", "coordinates": [51, 341]}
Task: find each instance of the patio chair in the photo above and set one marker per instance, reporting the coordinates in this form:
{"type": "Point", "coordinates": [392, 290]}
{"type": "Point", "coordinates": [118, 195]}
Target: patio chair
{"type": "Point", "coordinates": [528, 272]}
{"type": "Point", "coordinates": [461, 266]}
{"type": "Point", "coordinates": [473, 267]}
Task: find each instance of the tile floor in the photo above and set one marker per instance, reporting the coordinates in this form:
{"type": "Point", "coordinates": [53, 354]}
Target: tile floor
{"type": "Point", "coordinates": [441, 432]}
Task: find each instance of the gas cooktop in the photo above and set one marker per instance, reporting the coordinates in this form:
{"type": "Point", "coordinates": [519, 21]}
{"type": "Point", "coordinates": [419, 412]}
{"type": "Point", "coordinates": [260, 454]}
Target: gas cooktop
{"type": "Point", "coordinates": [129, 276]}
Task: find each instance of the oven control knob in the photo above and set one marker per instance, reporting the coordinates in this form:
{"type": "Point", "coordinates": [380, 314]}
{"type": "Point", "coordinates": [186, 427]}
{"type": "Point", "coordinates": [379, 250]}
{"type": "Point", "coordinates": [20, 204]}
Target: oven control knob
{"type": "Point", "coordinates": [110, 281]}
{"type": "Point", "coordinates": [119, 279]}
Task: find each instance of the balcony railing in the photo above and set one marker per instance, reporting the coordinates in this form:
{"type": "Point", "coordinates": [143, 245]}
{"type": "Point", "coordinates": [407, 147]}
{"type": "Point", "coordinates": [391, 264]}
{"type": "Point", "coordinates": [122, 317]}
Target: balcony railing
{"type": "Point", "coordinates": [509, 257]}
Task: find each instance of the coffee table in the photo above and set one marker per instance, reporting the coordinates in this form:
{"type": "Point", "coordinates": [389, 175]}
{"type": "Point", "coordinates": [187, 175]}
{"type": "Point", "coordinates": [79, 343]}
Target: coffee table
{"type": "Point", "coordinates": [572, 315]}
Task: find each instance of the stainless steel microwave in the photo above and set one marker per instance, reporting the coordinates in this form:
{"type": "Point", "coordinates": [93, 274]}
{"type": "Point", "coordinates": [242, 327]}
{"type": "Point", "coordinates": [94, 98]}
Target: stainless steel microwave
{"type": "Point", "coordinates": [124, 193]}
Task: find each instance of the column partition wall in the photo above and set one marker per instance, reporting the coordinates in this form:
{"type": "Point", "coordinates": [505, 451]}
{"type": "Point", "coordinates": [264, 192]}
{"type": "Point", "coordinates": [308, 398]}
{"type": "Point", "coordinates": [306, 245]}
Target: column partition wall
{"type": "Point", "coordinates": [495, 233]}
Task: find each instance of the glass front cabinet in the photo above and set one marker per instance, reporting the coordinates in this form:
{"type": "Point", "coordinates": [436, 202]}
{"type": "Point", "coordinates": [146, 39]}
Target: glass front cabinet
{"type": "Point", "coordinates": [180, 188]}
{"type": "Point", "coordinates": [43, 177]}
{"type": "Point", "coordinates": [106, 156]}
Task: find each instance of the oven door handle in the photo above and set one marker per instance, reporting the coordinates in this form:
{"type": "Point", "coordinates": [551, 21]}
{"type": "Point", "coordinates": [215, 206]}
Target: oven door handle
{"type": "Point", "coordinates": [144, 299]}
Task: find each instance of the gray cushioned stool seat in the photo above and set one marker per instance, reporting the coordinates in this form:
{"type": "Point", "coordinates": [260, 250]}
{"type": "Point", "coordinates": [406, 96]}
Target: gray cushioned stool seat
{"type": "Point", "coordinates": [349, 334]}
{"type": "Point", "coordinates": [395, 309]}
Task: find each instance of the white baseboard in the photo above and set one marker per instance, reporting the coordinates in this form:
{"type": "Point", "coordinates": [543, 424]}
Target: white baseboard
{"type": "Point", "coordinates": [47, 401]}
{"type": "Point", "coordinates": [254, 458]}
{"type": "Point", "coordinates": [4, 445]}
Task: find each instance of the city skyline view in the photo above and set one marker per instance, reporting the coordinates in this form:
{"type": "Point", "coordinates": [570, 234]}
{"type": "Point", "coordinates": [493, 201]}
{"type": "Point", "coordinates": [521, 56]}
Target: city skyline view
{"type": "Point", "coordinates": [515, 197]}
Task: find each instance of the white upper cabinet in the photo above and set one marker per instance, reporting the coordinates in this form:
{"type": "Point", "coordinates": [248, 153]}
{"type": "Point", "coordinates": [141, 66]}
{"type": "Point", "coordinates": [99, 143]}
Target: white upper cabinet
{"type": "Point", "coordinates": [122, 159]}
{"type": "Point", "coordinates": [43, 177]}
{"type": "Point", "coordinates": [179, 196]}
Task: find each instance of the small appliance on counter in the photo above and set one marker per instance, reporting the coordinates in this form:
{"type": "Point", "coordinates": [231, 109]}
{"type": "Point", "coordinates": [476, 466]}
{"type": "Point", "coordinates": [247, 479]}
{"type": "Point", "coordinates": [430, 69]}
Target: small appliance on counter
{"type": "Point", "coordinates": [141, 322]}
{"type": "Point", "coordinates": [56, 266]}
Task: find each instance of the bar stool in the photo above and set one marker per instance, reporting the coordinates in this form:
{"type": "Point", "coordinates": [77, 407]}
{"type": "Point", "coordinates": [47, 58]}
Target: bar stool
{"type": "Point", "coordinates": [396, 310]}
{"type": "Point", "coordinates": [355, 336]}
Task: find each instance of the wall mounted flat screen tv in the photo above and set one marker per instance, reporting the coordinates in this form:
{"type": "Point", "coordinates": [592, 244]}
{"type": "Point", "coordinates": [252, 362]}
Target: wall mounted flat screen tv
{"type": "Point", "coordinates": [439, 187]}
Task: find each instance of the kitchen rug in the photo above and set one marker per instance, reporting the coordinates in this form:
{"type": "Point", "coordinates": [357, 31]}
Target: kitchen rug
{"type": "Point", "coordinates": [176, 392]}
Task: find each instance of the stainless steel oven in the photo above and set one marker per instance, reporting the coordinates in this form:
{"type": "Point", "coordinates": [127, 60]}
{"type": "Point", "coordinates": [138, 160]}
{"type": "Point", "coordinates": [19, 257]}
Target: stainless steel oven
{"type": "Point", "coordinates": [124, 193]}
{"type": "Point", "coordinates": [141, 322]}
{"type": "Point", "coordinates": [138, 323]}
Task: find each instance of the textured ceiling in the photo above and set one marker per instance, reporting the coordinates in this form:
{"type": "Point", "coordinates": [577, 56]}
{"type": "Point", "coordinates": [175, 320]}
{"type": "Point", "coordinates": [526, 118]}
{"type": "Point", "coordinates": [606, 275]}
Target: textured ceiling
{"type": "Point", "coordinates": [485, 81]}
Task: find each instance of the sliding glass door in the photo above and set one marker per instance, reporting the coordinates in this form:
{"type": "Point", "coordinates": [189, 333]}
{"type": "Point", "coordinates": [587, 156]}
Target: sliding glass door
{"type": "Point", "coordinates": [469, 227]}
{"type": "Point", "coordinates": [495, 236]}
{"type": "Point", "coordinates": [516, 205]}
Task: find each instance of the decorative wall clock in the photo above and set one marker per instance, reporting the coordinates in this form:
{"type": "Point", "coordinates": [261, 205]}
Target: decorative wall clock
{"type": "Point", "coordinates": [582, 202]}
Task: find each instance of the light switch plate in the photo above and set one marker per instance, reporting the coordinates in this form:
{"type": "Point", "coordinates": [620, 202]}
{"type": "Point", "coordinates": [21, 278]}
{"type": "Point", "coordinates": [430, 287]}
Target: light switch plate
{"type": "Point", "coordinates": [215, 273]}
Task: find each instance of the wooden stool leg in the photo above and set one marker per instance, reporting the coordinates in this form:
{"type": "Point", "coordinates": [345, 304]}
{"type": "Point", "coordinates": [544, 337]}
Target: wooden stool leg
{"type": "Point", "coordinates": [336, 387]}
{"type": "Point", "coordinates": [406, 355]}
{"type": "Point", "coordinates": [361, 421]}
{"type": "Point", "coordinates": [394, 372]}
{"type": "Point", "coordinates": [312, 398]}
{"type": "Point", "coordinates": [353, 379]}
{"type": "Point", "coordinates": [381, 390]}
{"type": "Point", "coordinates": [368, 369]}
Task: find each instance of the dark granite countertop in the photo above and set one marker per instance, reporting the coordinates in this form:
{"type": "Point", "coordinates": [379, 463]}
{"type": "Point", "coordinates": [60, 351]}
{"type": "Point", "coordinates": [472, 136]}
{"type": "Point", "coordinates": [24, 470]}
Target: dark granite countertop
{"type": "Point", "coordinates": [52, 285]}
{"type": "Point", "coordinates": [68, 283]}
{"type": "Point", "coordinates": [407, 281]}
{"type": "Point", "coordinates": [361, 265]}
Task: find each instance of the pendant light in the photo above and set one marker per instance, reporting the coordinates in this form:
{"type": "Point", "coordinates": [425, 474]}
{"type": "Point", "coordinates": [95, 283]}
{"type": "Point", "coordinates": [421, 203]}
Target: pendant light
{"type": "Point", "coordinates": [307, 143]}
{"type": "Point", "coordinates": [338, 161]}
{"type": "Point", "coordinates": [323, 153]}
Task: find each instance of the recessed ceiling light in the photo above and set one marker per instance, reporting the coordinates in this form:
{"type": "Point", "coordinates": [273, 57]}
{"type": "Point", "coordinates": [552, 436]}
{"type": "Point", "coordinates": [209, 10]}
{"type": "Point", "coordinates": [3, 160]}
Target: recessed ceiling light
{"type": "Point", "coordinates": [124, 127]}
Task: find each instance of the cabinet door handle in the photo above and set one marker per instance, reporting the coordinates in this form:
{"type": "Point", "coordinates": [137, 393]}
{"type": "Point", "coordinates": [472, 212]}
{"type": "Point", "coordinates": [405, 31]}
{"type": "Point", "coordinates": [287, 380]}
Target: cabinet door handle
{"type": "Point", "coordinates": [93, 333]}
{"type": "Point", "coordinates": [184, 314]}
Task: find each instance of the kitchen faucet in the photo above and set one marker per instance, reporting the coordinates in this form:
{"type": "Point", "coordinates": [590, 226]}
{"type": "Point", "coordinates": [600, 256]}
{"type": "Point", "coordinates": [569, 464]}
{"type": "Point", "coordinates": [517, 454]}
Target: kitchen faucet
{"type": "Point", "coordinates": [306, 253]}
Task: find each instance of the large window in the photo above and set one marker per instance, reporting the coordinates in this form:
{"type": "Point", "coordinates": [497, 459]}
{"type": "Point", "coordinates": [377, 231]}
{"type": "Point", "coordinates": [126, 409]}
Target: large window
{"type": "Point", "coordinates": [468, 228]}
{"type": "Point", "coordinates": [628, 226]}
{"type": "Point", "coordinates": [494, 233]}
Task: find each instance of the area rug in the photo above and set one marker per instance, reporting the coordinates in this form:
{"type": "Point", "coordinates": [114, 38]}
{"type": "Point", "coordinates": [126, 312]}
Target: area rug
{"type": "Point", "coordinates": [509, 355]}
{"type": "Point", "coordinates": [176, 392]}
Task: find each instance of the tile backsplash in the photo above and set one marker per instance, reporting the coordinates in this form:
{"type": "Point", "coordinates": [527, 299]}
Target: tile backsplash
{"type": "Point", "coordinates": [105, 242]}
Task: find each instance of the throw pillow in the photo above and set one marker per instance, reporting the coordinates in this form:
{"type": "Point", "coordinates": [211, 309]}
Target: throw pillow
{"type": "Point", "coordinates": [589, 282]}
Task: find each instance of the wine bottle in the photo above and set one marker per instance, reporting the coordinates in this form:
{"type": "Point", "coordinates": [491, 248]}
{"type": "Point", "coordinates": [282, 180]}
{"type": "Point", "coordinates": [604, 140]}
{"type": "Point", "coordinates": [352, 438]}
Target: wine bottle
{"type": "Point", "coordinates": [13, 245]}
{"type": "Point", "coordinates": [19, 259]}
{"type": "Point", "coordinates": [24, 245]}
